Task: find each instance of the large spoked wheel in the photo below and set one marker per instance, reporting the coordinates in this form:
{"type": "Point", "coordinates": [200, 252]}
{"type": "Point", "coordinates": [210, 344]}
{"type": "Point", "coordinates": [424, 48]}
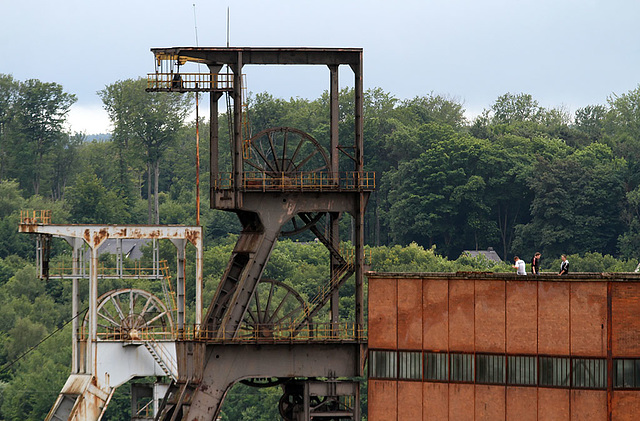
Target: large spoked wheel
{"type": "Point", "coordinates": [284, 152]}
{"type": "Point", "coordinates": [274, 311]}
{"type": "Point", "coordinates": [131, 314]}
{"type": "Point", "coordinates": [301, 222]}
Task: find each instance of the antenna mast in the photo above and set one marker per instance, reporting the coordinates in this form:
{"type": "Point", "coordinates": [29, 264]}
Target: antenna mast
{"type": "Point", "coordinates": [195, 24]}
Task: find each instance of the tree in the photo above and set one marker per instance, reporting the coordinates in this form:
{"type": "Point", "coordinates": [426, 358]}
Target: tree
{"type": "Point", "coordinates": [8, 93]}
{"type": "Point", "coordinates": [590, 121]}
{"type": "Point", "coordinates": [438, 197]}
{"type": "Point", "coordinates": [577, 203]}
{"type": "Point", "coordinates": [515, 108]}
{"type": "Point", "coordinates": [145, 123]}
{"type": "Point", "coordinates": [432, 109]}
{"type": "Point", "coordinates": [41, 110]}
{"type": "Point", "coordinates": [91, 203]}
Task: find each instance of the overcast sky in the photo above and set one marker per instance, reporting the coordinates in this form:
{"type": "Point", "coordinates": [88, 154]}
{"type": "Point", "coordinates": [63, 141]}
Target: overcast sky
{"type": "Point", "coordinates": [568, 53]}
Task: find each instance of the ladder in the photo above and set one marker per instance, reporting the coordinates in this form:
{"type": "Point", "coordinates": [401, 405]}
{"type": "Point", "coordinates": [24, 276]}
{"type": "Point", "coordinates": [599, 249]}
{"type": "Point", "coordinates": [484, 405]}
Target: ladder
{"type": "Point", "coordinates": [164, 360]}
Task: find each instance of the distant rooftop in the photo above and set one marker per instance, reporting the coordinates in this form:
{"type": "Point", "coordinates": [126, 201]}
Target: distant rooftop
{"type": "Point", "coordinates": [489, 253]}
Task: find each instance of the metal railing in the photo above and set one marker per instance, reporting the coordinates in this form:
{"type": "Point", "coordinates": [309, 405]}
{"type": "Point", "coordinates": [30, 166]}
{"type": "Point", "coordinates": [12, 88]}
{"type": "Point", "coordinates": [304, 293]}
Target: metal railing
{"type": "Point", "coordinates": [317, 181]}
{"type": "Point", "coordinates": [182, 82]}
{"type": "Point", "coordinates": [320, 332]}
{"type": "Point", "coordinates": [137, 271]}
{"type": "Point", "coordinates": [35, 216]}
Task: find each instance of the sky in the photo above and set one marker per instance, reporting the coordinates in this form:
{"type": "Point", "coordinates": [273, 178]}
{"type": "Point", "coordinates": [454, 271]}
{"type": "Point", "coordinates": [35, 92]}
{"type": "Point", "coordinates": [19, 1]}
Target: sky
{"type": "Point", "coordinates": [565, 53]}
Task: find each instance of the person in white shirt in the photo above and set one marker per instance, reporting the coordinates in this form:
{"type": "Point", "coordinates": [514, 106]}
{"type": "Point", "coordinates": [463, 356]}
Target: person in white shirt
{"type": "Point", "coordinates": [519, 265]}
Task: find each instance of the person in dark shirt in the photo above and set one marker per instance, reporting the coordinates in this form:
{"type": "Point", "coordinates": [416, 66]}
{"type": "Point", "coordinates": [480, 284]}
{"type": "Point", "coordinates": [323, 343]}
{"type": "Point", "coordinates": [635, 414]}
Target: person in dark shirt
{"type": "Point", "coordinates": [564, 266]}
{"type": "Point", "coordinates": [535, 264]}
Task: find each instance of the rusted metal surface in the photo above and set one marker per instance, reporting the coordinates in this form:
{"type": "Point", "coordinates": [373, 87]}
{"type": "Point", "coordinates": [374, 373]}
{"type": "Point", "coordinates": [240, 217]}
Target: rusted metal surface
{"type": "Point", "coordinates": [82, 398]}
{"type": "Point", "coordinates": [288, 183]}
{"type": "Point", "coordinates": [146, 353]}
{"type": "Point", "coordinates": [257, 55]}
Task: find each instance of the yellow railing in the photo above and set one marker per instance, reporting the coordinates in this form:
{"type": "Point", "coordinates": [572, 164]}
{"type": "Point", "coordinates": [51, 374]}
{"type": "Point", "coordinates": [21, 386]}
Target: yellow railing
{"type": "Point", "coordinates": [180, 82]}
{"type": "Point", "coordinates": [263, 181]}
{"type": "Point", "coordinates": [166, 274]}
{"type": "Point", "coordinates": [114, 333]}
{"type": "Point", "coordinates": [130, 272]}
{"type": "Point", "coordinates": [321, 332]}
{"type": "Point", "coordinates": [35, 217]}
{"type": "Point", "coordinates": [349, 255]}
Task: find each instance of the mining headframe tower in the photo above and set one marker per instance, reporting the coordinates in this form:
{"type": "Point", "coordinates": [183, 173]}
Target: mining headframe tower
{"type": "Point", "coordinates": [258, 331]}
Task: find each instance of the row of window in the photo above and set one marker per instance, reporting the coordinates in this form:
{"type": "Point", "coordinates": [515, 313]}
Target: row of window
{"type": "Point", "coordinates": [517, 370]}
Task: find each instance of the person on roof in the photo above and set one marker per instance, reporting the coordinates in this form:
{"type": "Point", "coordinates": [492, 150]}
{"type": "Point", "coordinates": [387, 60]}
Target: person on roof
{"type": "Point", "coordinates": [564, 265]}
{"type": "Point", "coordinates": [519, 266]}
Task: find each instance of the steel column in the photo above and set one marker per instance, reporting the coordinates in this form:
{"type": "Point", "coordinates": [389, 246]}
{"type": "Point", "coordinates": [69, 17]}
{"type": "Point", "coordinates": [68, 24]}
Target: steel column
{"type": "Point", "coordinates": [76, 244]}
{"type": "Point", "coordinates": [238, 161]}
{"type": "Point", "coordinates": [334, 119]}
{"type": "Point", "coordinates": [180, 283]}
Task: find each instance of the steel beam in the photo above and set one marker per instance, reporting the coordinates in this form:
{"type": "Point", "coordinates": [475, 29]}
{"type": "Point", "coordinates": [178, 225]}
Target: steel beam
{"type": "Point", "coordinates": [225, 365]}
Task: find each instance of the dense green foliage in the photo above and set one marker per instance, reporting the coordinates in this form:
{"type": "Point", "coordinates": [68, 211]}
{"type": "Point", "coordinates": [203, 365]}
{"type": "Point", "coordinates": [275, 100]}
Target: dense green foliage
{"type": "Point", "coordinates": [518, 178]}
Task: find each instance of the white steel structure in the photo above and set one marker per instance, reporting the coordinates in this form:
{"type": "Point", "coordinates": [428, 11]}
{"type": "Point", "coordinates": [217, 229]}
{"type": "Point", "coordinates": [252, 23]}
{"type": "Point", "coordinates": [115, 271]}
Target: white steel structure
{"type": "Point", "coordinates": [126, 333]}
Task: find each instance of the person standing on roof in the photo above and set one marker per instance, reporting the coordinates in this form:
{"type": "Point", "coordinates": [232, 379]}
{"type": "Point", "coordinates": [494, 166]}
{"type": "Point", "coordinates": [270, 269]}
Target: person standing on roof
{"type": "Point", "coordinates": [519, 265]}
{"type": "Point", "coordinates": [535, 264]}
{"type": "Point", "coordinates": [564, 266]}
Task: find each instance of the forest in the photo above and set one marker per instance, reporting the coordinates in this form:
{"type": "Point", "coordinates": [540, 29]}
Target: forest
{"type": "Point", "coordinates": [519, 178]}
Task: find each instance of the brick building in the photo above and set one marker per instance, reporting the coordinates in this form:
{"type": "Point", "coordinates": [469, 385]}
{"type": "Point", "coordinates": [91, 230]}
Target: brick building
{"type": "Point", "coordinates": [477, 346]}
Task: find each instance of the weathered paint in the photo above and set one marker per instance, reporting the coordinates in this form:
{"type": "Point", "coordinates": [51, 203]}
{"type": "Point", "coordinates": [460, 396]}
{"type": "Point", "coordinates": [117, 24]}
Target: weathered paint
{"type": "Point", "coordinates": [583, 315]}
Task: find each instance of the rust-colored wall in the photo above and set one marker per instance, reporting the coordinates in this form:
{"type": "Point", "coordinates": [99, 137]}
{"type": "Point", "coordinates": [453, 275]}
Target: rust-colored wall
{"type": "Point", "coordinates": [435, 401]}
{"type": "Point", "coordinates": [553, 404]}
{"type": "Point", "coordinates": [553, 318]}
{"type": "Point", "coordinates": [625, 299]}
{"type": "Point", "coordinates": [461, 315]}
{"type": "Point", "coordinates": [522, 404]}
{"type": "Point", "coordinates": [588, 405]}
{"type": "Point", "coordinates": [409, 314]}
{"type": "Point", "coordinates": [383, 313]}
{"type": "Point", "coordinates": [409, 392]}
{"type": "Point", "coordinates": [490, 316]}
{"type": "Point", "coordinates": [435, 310]}
{"type": "Point", "coordinates": [489, 403]}
{"type": "Point", "coordinates": [626, 405]}
{"type": "Point", "coordinates": [383, 400]}
{"type": "Point", "coordinates": [589, 318]}
{"type": "Point", "coordinates": [515, 316]}
{"type": "Point", "coordinates": [461, 402]}
{"type": "Point", "coordinates": [522, 317]}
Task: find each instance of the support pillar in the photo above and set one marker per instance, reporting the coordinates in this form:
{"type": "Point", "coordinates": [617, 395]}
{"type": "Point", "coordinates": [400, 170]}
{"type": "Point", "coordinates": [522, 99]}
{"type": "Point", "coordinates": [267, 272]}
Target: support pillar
{"type": "Point", "coordinates": [76, 244]}
{"type": "Point", "coordinates": [93, 311]}
{"type": "Point", "coordinates": [180, 281]}
{"type": "Point", "coordinates": [238, 161]}
{"type": "Point", "coordinates": [334, 237]}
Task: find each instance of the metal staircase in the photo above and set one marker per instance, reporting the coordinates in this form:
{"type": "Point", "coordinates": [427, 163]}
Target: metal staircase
{"type": "Point", "coordinates": [164, 360]}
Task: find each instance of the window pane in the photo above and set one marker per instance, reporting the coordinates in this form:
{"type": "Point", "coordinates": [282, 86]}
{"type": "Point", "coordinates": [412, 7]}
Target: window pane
{"type": "Point", "coordinates": [490, 369]}
{"type": "Point", "coordinates": [382, 364]}
{"type": "Point", "coordinates": [554, 371]}
{"type": "Point", "coordinates": [590, 373]}
{"type": "Point", "coordinates": [523, 370]}
{"type": "Point", "coordinates": [410, 365]}
{"type": "Point", "coordinates": [436, 366]}
{"type": "Point", "coordinates": [462, 367]}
